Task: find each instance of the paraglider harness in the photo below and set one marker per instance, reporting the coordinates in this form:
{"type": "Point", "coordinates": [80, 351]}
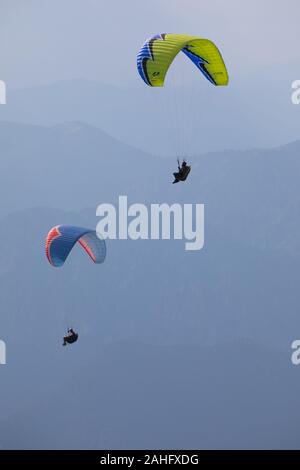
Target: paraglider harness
{"type": "Point", "coordinates": [183, 172]}
{"type": "Point", "coordinates": [71, 337]}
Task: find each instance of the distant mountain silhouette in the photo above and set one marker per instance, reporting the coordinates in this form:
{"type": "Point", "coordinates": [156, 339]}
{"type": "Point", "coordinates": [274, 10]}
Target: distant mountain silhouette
{"type": "Point", "coordinates": [237, 116]}
{"type": "Point", "coordinates": [176, 349]}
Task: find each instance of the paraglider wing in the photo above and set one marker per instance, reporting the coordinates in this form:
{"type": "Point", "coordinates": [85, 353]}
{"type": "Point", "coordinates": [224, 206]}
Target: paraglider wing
{"type": "Point", "coordinates": [61, 239]}
{"type": "Point", "coordinates": [158, 53]}
{"type": "Point", "coordinates": [94, 246]}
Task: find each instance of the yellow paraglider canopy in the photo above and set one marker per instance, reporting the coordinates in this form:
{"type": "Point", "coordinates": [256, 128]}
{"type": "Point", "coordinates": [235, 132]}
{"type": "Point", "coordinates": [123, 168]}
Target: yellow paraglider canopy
{"type": "Point", "coordinates": [158, 53]}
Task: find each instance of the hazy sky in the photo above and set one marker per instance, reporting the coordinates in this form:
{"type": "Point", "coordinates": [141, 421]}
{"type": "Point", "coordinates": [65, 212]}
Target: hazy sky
{"type": "Point", "coordinates": [44, 41]}
{"type": "Point", "coordinates": [148, 317]}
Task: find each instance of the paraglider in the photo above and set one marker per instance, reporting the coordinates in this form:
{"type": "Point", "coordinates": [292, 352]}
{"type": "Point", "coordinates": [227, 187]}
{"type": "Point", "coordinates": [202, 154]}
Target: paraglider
{"type": "Point", "coordinates": [182, 173]}
{"type": "Point", "coordinates": [71, 337]}
{"type": "Point", "coordinates": [59, 243]}
{"type": "Point", "coordinates": [62, 238]}
{"type": "Point", "coordinates": [158, 53]}
{"type": "Point", "coordinates": [154, 60]}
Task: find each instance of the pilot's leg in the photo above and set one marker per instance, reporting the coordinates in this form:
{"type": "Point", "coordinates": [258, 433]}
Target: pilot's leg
{"type": "Point", "coordinates": [176, 177]}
